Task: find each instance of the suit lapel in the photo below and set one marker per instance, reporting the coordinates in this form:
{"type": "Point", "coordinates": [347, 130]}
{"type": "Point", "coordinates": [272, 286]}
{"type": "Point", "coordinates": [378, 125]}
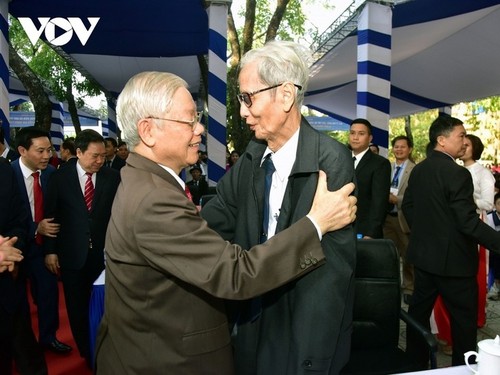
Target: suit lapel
{"type": "Point", "coordinates": [364, 160]}
{"type": "Point", "coordinates": [22, 185]}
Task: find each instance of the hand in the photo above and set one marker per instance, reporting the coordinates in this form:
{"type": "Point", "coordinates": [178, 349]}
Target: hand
{"type": "Point", "coordinates": [52, 263]}
{"type": "Point", "coordinates": [9, 255]}
{"type": "Point", "coordinates": [48, 228]}
{"type": "Point", "coordinates": [333, 210]}
{"type": "Point", "coordinates": [393, 199]}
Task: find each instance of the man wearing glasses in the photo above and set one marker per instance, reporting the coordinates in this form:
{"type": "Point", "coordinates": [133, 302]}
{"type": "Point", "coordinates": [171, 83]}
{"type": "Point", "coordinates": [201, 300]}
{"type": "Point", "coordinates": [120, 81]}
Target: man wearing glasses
{"type": "Point", "coordinates": [167, 273]}
{"type": "Point", "coordinates": [304, 325]}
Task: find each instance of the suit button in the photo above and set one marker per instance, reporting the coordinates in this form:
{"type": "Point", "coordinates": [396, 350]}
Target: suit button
{"type": "Point", "coordinates": [308, 261]}
{"type": "Point", "coordinates": [307, 364]}
{"type": "Point", "coordinates": [302, 265]}
{"type": "Point", "coordinates": [314, 260]}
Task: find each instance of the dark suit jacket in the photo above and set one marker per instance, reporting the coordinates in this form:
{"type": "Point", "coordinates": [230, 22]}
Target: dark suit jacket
{"type": "Point", "coordinates": [12, 155]}
{"type": "Point", "coordinates": [445, 227]}
{"type": "Point", "coordinates": [373, 182]}
{"type": "Point", "coordinates": [198, 189]}
{"type": "Point", "coordinates": [166, 275]}
{"type": "Point", "coordinates": [65, 202]}
{"type": "Point", "coordinates": [31, 248]}
{"type": "Point", "coordinates": [118, 163]}
{"type": "Point", "coordinates": [13, 222]}
{"type": "Point", "coordinates": [307, 323]}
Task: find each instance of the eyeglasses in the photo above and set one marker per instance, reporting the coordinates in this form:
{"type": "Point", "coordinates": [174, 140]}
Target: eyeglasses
{"type": "Point", "coordinates": [246, 97]}
{"type": "Point", "coordinates": [192, 123]}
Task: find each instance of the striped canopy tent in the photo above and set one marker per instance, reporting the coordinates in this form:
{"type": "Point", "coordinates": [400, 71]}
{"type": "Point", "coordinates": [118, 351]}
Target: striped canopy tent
{"type": "Point", "coordinates": [436, 54]}
{"type": "Point", "coordinates": [133, 36]}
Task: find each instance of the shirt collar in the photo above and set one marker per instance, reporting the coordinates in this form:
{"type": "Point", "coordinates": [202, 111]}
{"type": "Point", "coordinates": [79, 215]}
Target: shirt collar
{"type": "Point", "coordinates": [284, 158]}
{"type": "Point", "coordinates": [361, 154]}
{"type": "Point", "coordinates": [177, 178]}
{"type": "Point", "coordinates": [25, 170]}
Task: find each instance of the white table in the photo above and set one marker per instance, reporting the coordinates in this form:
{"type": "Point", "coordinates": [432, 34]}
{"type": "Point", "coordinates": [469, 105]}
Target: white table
{"type": "Point", "coordinates": [456, 370]}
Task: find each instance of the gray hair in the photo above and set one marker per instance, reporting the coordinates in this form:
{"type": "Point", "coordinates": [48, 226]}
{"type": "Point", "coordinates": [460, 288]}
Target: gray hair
{"type": "Point", "coordinates": [147, 94]}
{"type": "Point", "coordinates": [281, 61]}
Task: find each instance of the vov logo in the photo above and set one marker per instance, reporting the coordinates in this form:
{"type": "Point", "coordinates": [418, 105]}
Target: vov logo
{"type": "Point", "coordinates": [49, 25]}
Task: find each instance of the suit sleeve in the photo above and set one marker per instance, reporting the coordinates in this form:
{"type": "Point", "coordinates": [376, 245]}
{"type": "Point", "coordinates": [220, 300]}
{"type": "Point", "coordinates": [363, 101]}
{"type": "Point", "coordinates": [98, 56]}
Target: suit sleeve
{"type": "Point", "coordinates": [465, 214]}
{"type": "Point", "coordinates": [381, 183]}
{"type": "Point", "coordinates": [194, 253]}
{"type": "Point", "coordinates": [14, 213]}
{"type": "Point", "coordinates": [407, 205]}
{"type": "Point", "coordinates": [50, 210]}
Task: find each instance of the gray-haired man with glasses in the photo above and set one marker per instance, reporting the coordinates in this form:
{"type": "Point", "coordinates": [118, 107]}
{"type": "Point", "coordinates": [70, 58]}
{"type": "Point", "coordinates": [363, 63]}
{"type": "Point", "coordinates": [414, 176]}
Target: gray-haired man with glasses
{"type": "Point", "coordinates": [304, 325]}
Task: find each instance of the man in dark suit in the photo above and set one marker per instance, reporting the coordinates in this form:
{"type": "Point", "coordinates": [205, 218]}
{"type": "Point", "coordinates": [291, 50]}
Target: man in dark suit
{"type": "Point", "coordinates": [373, 180]}
{"type": "Point", "coordinates": [198, 186]}
{"type": "Point", "coordinates": [113, 160]}
{"type": "Point", "coordinates": [32, 170]}
{"type": "Point", "coordinates": [5, 151]}
{"type": "Point", "coordinates": [445, 229]}
{"type": "Point", "coordinates": [83, 216]}
{"type": "Point", "coordinates": [166, 271]}
{"type": "Point", "coordinates": [17, 339]}
{"type": "Point", "coordinates": [279, 334]}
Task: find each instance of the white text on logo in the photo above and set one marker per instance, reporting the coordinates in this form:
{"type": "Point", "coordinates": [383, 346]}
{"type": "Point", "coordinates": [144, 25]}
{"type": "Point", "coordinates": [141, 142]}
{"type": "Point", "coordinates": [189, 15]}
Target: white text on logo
{"type": "Point", "coordinates": [69, 25]}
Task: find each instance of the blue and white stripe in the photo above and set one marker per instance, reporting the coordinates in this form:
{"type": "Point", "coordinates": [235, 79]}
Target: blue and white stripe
{"type": "Point", "coordinates": [57, 125]}
{"type": "Point", "coordinates": [4, 67]}
{"type": "Point", "coordinates": [445, 111]}
{"type": "Point", "coordinates": [374, 70]}
{"type": "Point", "coordinates": [217, 82]}
{"type": "Point", "coordinates": [109, 129]}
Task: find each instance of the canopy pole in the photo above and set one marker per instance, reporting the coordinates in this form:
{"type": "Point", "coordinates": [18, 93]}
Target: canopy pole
{"type": "Point", "coordinates": [57, 125]}
{"type": "Point", "coordinates": [109, 129]}
{"type": "Point", "coordinates": [217, 83]}
{"type": "Point", "coordinates": [374, 70]}
{"type": "Point", "coordinates": [4, 68]}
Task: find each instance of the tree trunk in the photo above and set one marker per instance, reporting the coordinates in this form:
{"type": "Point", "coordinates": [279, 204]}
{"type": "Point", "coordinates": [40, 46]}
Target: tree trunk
{"type": "Point", "coordinates": [72, 109]}
{"type": "Point", "coordinates": [34, 87]}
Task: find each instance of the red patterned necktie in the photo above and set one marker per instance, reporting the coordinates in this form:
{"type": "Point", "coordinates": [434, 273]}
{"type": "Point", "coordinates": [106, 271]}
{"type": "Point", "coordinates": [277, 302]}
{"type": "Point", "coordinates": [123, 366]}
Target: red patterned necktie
{"type": "Point", "coordinates": [188, 193]}
{"type": "Point", "coordinates": [89, 191]}
{"type": "Point", "coordinates": [38, 203]}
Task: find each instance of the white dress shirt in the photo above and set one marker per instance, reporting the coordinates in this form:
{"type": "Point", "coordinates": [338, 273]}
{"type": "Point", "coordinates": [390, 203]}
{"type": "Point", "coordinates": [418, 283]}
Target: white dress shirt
{"type": "Point", "coordinates": [82, 177]}
{"type": "Point", "coordinates": [283, 161]}
{"type": "Point", "coordinates": [28, 182]}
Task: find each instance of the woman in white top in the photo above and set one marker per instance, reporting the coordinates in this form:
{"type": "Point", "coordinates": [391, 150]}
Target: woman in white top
{"type": "Point", "coordinates": [482, 178]}
{"type": "Point", "coordinates": [484, 192]}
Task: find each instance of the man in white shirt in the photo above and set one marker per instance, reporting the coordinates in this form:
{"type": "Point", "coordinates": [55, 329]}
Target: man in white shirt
{"type": "Point", "coordinates": [304, 325]}
{"type": "Point", "coordinates": [395, 226]}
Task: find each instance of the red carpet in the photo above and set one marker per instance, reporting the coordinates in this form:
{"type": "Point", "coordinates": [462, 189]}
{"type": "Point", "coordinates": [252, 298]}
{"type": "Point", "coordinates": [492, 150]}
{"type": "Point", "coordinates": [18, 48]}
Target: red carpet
{"type": "Point", "coordinates": [71, 364]}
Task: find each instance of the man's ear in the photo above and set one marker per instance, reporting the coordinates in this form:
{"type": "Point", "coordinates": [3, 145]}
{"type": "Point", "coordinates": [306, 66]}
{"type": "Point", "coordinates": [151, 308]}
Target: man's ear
{"type": "Point", "coordinates": [146, 129]}
{"type": "Point", "coordinates": [289, 92]}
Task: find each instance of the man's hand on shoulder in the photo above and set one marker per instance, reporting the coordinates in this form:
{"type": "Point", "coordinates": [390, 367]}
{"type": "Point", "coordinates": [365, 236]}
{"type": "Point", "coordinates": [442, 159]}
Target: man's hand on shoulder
{"type": "Point", "coordinates": [333, 210]}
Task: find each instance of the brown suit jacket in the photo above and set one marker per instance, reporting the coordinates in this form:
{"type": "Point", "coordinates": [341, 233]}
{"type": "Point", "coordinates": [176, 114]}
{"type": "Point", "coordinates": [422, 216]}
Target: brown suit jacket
{"type": "Point", "coordinates": [167, 273]}
{"type": "Point", "coordinates": [401, 192]}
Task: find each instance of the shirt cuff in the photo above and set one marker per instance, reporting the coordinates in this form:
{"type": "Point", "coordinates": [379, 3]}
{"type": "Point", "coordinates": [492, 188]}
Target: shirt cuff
{"type": "Point", "coordinates": [316, 226]}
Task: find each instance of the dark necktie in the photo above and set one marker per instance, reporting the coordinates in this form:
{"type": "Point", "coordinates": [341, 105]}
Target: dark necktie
{"type": "Point", "coordinates": [395, 179]}
{"type": "Point", "coordinates": [38, 203]}
{"type": "Point", "coordinates": [89, 191]}
{"type": "Point", "coordinates": [269, 170]}
{"type": "Point", "coordinates": [354, 161]}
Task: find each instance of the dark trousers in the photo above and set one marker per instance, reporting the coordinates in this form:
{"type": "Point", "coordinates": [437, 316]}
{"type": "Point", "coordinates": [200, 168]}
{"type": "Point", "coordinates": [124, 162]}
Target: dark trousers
{"type": "Point", "coordinates": [18, 342]}
{"type": "Point", "coordinates": [44, 289]}
{"type": "Point", "coordinates": [77, 289]}
{"type": "Point", "coordinates": [460, 296]}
